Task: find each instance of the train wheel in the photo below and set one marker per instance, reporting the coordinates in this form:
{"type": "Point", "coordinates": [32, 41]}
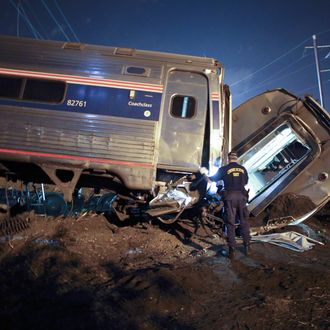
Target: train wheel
{"type": "Point", "coordinates": [104, 204]}
{"type": "Point", "coordinates": [54, 204]}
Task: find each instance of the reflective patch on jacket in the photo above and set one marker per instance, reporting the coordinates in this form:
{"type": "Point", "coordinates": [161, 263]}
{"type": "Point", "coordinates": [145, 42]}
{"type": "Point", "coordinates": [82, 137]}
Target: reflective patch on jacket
{"type": "Point", "coordinates": [235, 171]}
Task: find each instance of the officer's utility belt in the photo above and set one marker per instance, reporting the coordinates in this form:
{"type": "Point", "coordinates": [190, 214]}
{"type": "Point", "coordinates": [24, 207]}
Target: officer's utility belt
{"type": "Point", "coordinates": [227, 192]}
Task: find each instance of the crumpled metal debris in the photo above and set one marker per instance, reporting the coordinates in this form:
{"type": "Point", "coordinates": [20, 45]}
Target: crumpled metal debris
{"type": "Point", "coordinates": [173, 195]}
{"type": "Point", "coordinates": [271, 224]}
{"type": "Point", "coordinates": [290, 240]}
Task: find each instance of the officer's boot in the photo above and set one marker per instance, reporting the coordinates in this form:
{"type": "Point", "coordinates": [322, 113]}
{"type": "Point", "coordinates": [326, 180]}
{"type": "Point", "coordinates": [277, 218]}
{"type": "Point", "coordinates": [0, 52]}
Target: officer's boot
{"type": "Point", "coordinates": [231, 253]}
{"type": "Point", "coordinates": [246, 248]}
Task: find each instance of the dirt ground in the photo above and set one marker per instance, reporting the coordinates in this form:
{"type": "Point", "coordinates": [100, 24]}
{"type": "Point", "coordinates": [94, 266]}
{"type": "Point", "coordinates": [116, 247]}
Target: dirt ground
{"type": "Point", "coordinates": [88, 273]}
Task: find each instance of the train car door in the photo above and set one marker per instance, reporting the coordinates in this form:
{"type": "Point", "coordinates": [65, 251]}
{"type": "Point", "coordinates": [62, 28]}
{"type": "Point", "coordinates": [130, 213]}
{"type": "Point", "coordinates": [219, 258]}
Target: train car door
{"type": "Point", "coordinates": [183, 121]}
{"type": "Point", "coordinates": [284, 142]}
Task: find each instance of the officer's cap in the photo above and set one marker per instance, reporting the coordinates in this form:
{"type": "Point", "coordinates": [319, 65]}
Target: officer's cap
{"type": "Point", "coordinates": [232, 155]}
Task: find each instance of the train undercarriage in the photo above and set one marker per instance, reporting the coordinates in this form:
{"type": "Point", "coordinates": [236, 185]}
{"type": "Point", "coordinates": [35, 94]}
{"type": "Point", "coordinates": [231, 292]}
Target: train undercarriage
{"type": "Point", "coordinates": [94, 193]}
{"type": "Point", "coordinates": [72, 192]}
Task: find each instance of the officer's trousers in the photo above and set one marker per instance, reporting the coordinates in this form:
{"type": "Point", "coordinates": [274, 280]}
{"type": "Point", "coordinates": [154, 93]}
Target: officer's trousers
{"type": "Point", "coordinates": [235, 207]}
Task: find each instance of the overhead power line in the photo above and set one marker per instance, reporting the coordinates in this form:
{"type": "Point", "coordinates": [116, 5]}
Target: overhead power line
{"type": "Point", "coordinates": [30, 10]}
{"type": "Point", "coordinates": [271, 63]}
{"type": "Point", "coordinates": [22, 14]}
{"type": "Point", "coordinates": [259, 85]}
{"type": "Point", "coordinates": [55, 20]}
{"type": "Point", "coordinates": [66, 21]}
{"type": "Point", "coordinates": [273, 76]}
{"type": "Point", "coordinates": [35, 29]}
{"type": "Point", "coordinates": [272, 79]}
{"type": "Point", "coordinates": [278, 58]}
{"type": "Point", "coordinates": [28, 15]}
{"type": "Point", "coordinates": [311, 87]}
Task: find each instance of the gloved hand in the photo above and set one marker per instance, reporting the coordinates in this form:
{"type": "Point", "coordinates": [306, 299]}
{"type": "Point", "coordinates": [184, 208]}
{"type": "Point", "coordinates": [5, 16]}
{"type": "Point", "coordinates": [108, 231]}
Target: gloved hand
{"type": "Point", "coordinates": [204, 171]}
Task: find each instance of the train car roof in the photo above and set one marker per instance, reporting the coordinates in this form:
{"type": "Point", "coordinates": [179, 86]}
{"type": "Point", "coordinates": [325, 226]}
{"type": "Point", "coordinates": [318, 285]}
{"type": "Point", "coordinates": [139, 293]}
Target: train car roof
{"type": "Point", "coordinates": [26, 43]}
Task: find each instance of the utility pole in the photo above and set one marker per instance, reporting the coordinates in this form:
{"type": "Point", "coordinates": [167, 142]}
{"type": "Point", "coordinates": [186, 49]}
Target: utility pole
{"type": "Point", "coordinates": [318, 71]}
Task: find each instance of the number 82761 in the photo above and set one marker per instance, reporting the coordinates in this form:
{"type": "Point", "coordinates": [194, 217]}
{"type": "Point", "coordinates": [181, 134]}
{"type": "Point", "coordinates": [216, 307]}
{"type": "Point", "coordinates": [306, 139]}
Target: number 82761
{"type": "Point", "coordinates": [76, 103]}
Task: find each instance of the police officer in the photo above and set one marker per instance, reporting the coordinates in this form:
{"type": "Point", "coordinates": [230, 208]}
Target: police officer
{"type": "Point", "coordinates": [234, 177]}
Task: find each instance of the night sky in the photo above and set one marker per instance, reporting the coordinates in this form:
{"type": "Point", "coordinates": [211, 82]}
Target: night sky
{"type": "Point", "coordinates": [260, 43]}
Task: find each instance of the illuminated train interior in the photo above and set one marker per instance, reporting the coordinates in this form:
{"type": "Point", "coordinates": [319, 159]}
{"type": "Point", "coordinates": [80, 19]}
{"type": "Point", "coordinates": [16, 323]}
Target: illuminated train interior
{"type": "Point", "coordinates": [272, 157]}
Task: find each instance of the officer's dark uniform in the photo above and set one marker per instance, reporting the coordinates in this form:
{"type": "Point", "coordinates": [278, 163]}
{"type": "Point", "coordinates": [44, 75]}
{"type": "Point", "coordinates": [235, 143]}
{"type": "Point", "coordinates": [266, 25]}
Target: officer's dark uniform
{"type": "Point", "coordinates": [235, 177]}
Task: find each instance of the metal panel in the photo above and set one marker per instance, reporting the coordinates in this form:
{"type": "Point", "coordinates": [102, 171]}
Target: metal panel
{"type": "Point", "coordinates": [181, 141]}
{"type": "Point", "coordinates": [79, 135]}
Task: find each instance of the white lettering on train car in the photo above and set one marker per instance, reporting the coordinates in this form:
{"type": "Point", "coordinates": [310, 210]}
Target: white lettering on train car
{"type": "Point", "coordinates": [76, 103]}
{"type": "Point", "coordinates": [140, 104]}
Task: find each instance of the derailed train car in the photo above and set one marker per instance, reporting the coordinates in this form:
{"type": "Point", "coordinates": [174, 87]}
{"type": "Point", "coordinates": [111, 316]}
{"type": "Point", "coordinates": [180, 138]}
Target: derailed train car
{"type": "Point", "coordinates": [286, 150]}
{"type": "Point", "coordinates": [87, 127]}
{"type": "Point", "coordinates": [130, 124]}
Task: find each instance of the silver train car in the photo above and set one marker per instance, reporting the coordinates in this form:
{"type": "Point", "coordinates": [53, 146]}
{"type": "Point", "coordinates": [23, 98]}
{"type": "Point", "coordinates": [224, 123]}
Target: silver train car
{"type": "Point", "coordinates": [132, 125]}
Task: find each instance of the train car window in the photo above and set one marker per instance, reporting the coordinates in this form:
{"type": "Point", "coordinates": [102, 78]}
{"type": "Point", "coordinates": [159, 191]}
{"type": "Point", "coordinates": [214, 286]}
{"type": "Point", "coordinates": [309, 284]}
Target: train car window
{"type": "Point", "coordinates": [137, 71]}
{"type": "Point", "coordinates": [272, 157]}
{"type": "Point", "coordinates": [183, 106]}
{"type": "Point", "coordinates": [10, 86]}
{"type": "Point", "coordinates": [44, 90]}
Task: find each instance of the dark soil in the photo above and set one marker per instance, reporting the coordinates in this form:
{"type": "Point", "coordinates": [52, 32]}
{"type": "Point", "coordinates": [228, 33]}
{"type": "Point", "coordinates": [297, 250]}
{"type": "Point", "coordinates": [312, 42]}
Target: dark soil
{"type": "Point", "coordinates": [290, 204]}
{"type": "Point", "coordinates": [86, 273]}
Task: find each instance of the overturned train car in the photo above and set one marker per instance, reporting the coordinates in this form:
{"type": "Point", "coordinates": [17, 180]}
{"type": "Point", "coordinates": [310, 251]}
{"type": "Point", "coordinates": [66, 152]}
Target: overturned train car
{"type": "Point", "coordinates": [286, 150]}
{"type": "Point", "coordinates": [109, 129]}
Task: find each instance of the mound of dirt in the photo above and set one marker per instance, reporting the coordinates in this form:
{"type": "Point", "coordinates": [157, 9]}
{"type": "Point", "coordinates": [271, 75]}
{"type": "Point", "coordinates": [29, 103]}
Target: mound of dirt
{"type": "Point", "coordinates": [293, 204]}
{"type": "Point", "coordinates": [88, 273]}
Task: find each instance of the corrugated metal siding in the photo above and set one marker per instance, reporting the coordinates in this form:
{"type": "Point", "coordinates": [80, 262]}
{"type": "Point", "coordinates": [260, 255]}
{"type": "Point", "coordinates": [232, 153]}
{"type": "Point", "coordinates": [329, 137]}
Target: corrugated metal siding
{"type": "Point", "coordinates": [78, 135]}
